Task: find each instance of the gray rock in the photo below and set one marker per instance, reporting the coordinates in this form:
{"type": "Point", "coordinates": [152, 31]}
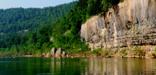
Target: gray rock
{"type": "Point", "coordinates": [52, 52]}
{"type": "Point", "coordinates": [58, 52]}
{"type": "Point", "coordinates": [63, 53]}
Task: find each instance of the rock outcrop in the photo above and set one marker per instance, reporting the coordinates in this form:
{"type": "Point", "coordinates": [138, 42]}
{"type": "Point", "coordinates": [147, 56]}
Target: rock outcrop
{"type": "Point", "coordinates": [57, 52]}
{"type": "Point", "coordinates": [132, 22]}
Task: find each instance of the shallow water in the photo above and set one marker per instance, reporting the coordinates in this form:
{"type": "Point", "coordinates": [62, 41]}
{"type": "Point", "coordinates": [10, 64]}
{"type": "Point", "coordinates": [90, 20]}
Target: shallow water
{"type": "Point", "coordinates": [77, 66]}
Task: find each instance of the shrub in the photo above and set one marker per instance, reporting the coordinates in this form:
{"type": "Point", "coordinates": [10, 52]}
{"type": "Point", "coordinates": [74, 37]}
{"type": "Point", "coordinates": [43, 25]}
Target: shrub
{"type": "Point", "coordinates": [138, 51]}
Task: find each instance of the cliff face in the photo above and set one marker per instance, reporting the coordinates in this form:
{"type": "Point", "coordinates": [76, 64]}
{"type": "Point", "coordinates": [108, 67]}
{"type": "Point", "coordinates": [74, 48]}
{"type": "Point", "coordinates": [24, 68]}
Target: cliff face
{"type": "Point", "coordinates": [132, 22]}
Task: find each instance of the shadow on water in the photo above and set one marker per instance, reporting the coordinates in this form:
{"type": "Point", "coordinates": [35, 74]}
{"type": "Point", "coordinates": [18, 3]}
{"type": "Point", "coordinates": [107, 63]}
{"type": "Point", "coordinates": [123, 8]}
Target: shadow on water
{"type": "Point", "coordinates": [77, 66]}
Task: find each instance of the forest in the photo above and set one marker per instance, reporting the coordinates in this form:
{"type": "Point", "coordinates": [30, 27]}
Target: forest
{"type": "Point", "coordinates": [36, 30]}
{"type": "Point", "coordinates": [15, 23]}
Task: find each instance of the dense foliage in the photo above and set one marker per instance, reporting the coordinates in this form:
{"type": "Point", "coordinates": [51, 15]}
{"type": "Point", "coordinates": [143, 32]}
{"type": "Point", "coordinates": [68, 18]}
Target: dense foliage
{"type": "Point", "coordinates": [67, 30]}
{"type": "Point", "coordinates": [20, 19]}
{"type": "Point", "coordinates": [28, 31]}
{"type": "Point", "coordinates": [48, 31]}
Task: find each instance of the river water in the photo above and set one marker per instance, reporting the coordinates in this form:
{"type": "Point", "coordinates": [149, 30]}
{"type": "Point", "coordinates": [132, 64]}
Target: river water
{"type": "Point", "coordinates": [77, 66]}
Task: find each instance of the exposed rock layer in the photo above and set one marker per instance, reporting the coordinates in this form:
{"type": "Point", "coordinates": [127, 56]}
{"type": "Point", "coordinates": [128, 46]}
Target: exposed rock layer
{"type": "Point", "coordinates": [132, 22]}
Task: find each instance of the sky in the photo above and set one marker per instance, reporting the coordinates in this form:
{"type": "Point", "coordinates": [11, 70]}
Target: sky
{"type": "Point", "coordinates": [4, 4]}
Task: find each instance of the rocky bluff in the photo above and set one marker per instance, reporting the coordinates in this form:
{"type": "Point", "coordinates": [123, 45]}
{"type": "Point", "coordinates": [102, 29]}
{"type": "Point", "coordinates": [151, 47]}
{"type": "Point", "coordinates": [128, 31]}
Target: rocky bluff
{"type": "Point", "coordinates": [131, 22]}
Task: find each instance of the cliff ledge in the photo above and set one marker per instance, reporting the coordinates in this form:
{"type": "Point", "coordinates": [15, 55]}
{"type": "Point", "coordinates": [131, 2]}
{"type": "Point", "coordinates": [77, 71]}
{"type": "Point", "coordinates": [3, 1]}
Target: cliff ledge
{"type": "Point", "coordinates": [132, 22]}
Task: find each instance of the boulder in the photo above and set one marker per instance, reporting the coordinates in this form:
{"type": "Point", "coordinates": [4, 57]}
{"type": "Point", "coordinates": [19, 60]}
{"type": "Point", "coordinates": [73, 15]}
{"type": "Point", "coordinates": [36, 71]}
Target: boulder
{"type": "Point", "coordinates": [52, 52]}
{"type": "Point", "coordinates": [58, 52]}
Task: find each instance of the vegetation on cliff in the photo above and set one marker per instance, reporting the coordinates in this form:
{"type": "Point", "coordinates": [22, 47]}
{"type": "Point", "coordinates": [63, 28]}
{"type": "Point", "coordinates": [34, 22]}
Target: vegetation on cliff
{"type": "Point", "coordinates": [28, 32]}
{"type": "Point", "coordinates": [66, 31]}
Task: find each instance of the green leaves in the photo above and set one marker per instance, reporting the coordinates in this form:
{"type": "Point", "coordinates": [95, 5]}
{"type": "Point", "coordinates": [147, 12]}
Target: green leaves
{"type": "Point", "coordinates": [47, 23]}
{"type": "Point", "coordinates": [66, 31]}
{"type": "Point", "coordinates": [94, 7]}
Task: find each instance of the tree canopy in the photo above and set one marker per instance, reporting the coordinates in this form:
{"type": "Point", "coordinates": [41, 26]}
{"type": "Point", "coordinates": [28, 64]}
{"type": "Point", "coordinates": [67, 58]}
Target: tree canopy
{"type": "Point", "coordinates": [30, 30]}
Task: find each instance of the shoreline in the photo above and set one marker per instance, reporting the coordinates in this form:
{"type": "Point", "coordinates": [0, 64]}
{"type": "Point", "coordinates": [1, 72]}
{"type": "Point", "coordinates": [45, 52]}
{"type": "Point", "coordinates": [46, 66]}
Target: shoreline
{"type": "Point", "coordinates": [78, 56]}
{"type": "Point", "coordinates": [126, 52]}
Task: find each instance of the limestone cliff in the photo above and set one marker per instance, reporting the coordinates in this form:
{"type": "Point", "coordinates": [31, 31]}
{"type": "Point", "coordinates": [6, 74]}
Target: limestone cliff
{"type": "Point", "coordinates": [132, 22]}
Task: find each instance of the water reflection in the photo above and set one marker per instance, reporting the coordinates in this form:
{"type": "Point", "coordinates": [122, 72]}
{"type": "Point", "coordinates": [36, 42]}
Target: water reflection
{"type": "Point", "coordinates": [103, 66]}
{"type": "Point", "coordinates": [68, 66]}
{"type": "Point", "coordinates": [77, 66]}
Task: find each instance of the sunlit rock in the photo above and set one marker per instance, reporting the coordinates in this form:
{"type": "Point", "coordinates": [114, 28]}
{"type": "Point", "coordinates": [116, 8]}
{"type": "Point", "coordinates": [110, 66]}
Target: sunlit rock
{"type": "Point", "coordinates": [58, 52]}
{"type": "Point", "coordinates": [131, 22]}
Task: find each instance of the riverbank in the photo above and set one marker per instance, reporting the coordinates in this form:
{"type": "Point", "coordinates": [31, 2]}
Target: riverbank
{"type": "Point", "coordinates": [125, 52]}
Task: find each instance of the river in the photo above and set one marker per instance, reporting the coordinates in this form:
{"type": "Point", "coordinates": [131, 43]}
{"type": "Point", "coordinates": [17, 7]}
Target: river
{"type": "Point", "coordinates": [77, 66]}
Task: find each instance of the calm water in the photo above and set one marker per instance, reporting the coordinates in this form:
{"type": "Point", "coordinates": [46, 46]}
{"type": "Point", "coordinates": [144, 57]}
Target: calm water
{"type": "Point", "coordinates": [77, 66]}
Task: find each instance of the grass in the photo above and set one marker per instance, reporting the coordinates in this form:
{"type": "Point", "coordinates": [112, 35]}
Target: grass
{"type": "Point", "coordinates": [137, 51]}
{"type": "Point", "coordinates": [102, 52]}
{"type": "Point", "coordinates": [134, 51]}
